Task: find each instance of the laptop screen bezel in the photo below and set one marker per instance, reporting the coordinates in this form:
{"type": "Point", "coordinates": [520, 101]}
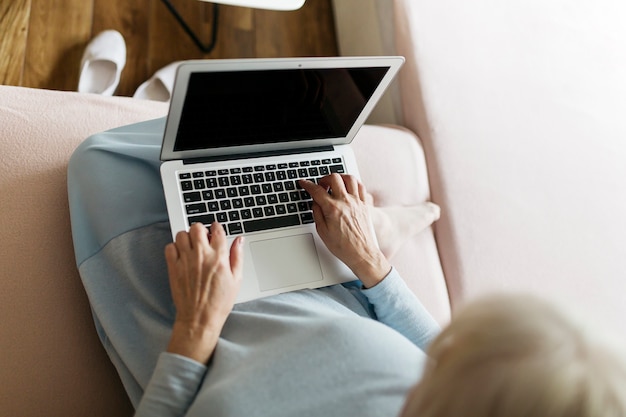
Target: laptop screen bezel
{"type": "Point", "coordinates": [186, 68]}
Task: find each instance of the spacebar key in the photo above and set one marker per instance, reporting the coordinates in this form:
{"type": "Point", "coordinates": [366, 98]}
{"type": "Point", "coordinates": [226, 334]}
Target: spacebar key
{"type": "Point", "coordinates": [271, 223]}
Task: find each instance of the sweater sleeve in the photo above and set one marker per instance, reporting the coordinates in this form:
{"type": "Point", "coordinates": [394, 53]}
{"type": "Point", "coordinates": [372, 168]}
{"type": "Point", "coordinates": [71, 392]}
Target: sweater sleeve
{"type": "Point", "coordinates": [172, 388]}
{"type": "Point", "coordinates": [399, 308]}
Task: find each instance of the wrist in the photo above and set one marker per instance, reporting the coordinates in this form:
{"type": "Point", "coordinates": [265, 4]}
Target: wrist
{"type": "Point", "coordinates": [372, 271]}
{"type": "Point", "coordinates": [197, 343]}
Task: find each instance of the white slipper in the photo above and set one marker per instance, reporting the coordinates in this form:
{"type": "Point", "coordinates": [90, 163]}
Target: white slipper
{"type": "Point", "coordinates": [102, 63]}
{"type": "Point", "coordinates": [159, 87]}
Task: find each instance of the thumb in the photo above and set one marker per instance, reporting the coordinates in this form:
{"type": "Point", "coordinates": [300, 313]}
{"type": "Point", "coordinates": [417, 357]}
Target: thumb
{"type": "Point", "coordinates": [236, 257]}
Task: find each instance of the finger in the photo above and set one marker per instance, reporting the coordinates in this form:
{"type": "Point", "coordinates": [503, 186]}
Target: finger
{"type": "Point", "coordinates": [363, 195]}
{"type": "Point", "coordinates": [182, 241]}
{"type": "Point", "coordinates": [352, 184]}
{"type": "Point", "coordinates": [236, 257]}
{"type": "Point", "coordinates": [218, 236]}
{"type": "Point", "coordinates": [335, 183]}
{"type": "Point", "coordinates": [318, 193]}
{"type": "Point", "coordinates": [319, 218]}
{"type": "Point", "coordinates": [199, 236]}
{"type": "Point", "coordinates": [171, 258]}
{"type": "Point", "coordinates": [171, 253]}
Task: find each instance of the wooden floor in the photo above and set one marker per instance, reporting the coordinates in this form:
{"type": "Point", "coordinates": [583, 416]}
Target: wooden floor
{"type": "Point", "coordinates": [42, 41]}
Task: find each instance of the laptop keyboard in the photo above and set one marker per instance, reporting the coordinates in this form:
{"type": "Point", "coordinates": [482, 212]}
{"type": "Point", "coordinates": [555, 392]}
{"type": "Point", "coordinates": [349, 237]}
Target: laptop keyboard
{"type": "Point", "coordinates": [252, 198]}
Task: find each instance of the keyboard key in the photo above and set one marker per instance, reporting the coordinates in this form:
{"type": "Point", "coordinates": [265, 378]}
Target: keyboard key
{"type": "Point", "coordinates": [205, 219]}
{"type": "Point", "coordinates": [221, 217]}
{"type": "Point", "coordinates": [196, 208]}
{"type": "Point", "coordinates": [306, 218]}
{"type": "Point", "coordinates": [199, 184]}
{"type": "Point", "coordinates": [192, 197]}
{"type": "Point", "coordinates": [184, 176]}
{"type": "Point", "coordinates": [207, 195]}
{"type": "Point", "coordinates": [235, 228]}
{"type": "Point", "coordinates": [233, 216]}
{"type": "Point", "coordinates": [271, 223]}
{"type": "Point", "coordinates": [198, 174]}
{"type": "Point", "coordinates": [338, 169]}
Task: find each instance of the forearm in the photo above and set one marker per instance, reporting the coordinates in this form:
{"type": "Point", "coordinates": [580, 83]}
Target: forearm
{"type": "Point", "coordinates": [172, 388]}
{"type": "Point", "coordinates": [397, 307]}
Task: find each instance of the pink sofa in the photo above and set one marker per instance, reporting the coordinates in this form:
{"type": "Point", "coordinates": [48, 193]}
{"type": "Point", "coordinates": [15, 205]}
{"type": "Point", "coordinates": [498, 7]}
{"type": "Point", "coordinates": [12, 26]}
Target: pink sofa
{"type": "Point", "coordinates": [52, 363]}
{"type": "Point", "coordinates": [518, 108]}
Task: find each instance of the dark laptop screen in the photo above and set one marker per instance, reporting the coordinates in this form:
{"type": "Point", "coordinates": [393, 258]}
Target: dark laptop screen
{"type": "Point", "coordinates": [269, 106]}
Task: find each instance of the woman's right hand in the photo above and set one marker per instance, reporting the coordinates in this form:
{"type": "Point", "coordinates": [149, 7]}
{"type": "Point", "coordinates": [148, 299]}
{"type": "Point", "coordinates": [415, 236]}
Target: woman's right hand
{"type": "Point", "coordinates": [205, 277]}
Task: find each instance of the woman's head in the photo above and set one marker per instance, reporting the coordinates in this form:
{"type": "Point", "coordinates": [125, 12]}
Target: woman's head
{"type": "Point", "coordinates": [518, 356]}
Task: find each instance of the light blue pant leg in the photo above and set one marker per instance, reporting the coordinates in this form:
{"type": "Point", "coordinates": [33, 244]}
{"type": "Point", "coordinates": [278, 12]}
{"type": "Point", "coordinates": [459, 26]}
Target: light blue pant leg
{"type": "Point", "coordinates": [119, 228]}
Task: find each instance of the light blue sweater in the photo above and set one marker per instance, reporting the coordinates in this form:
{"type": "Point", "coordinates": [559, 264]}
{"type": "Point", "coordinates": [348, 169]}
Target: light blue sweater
{"type": "Point", "coordinates": [335, 351]}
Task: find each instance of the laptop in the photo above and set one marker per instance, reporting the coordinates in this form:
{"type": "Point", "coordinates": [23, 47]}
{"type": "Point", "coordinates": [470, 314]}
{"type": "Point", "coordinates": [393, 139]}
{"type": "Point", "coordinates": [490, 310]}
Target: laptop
{"type": "Point", "coordinates": [240, 133]}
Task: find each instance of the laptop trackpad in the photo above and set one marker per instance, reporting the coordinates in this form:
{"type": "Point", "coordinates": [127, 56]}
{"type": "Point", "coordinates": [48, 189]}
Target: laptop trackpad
{"type": "Point", "coordinates": [286, 261]}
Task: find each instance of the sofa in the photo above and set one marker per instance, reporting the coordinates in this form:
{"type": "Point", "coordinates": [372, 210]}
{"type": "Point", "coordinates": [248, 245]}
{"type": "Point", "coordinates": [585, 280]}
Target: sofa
{"type": "Point", "coordinates": [507, 116]}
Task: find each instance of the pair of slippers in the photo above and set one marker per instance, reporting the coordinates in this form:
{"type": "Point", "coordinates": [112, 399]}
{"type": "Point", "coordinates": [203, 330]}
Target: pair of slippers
{"type": "Point", "coordinates": [102, 65]}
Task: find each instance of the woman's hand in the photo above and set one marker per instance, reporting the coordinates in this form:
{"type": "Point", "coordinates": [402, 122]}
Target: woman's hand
{"type": "Point", "coordinates": [205, 277]}
{"type": "Point", "coordinates": [342, 221]}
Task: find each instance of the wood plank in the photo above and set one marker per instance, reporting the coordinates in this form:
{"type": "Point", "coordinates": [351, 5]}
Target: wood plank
{"type": "Point", "coordinates": [14, 17]}
{"type": "Point", "coordinates": [131, 19]}
{"type": "Point", "coordinates": [308, 31]}
{"type": "Point", "coordinates": [168, 41]}
{"type": "Point", "coordinates": [59, 31]}
{"type": "Point", "coordinates": [236, 33]}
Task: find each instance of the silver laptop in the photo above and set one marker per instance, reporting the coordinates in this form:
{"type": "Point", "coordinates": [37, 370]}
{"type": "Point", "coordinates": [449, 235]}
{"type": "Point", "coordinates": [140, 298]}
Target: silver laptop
{"type": "Point", "coordinates": [239, 136]}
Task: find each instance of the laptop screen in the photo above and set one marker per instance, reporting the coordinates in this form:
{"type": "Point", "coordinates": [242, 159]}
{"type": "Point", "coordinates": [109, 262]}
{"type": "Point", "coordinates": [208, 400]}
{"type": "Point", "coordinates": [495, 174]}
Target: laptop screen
{"type": "Point", "coordinates": [233, 108]}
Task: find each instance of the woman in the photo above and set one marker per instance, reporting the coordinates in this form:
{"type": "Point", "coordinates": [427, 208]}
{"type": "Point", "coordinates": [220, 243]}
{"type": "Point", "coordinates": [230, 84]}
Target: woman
{"type": "Point", "coordinates": [182, 347]}
{"type": "Point", "coordinates": [352, 349]}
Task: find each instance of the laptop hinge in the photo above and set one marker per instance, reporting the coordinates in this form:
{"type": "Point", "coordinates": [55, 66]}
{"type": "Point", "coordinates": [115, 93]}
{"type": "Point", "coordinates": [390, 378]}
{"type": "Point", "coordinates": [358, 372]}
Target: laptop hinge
{"type": "Point", "coordinates": [251, 155]}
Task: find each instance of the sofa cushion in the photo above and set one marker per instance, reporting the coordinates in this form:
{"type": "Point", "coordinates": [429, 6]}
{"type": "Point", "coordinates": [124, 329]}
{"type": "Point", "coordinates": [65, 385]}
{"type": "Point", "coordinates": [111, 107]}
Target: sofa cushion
{"type": "Point", "coordinates": [50, 352]}
{"type": "Point", "coordinates": [520, 108]}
